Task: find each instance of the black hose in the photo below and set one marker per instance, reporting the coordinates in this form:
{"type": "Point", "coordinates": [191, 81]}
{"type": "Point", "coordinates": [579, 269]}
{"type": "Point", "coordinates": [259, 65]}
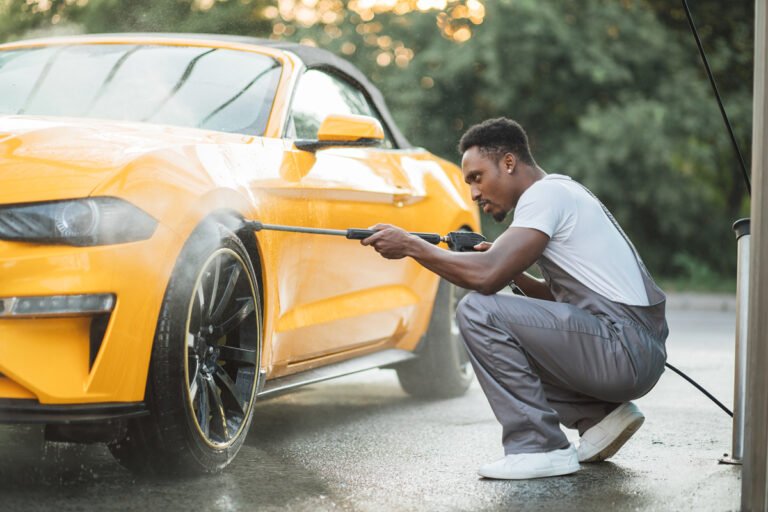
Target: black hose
{"type": "Point", "coordinates": [727, 122]}
{"type": "Point", "coordinates": [697, 386]}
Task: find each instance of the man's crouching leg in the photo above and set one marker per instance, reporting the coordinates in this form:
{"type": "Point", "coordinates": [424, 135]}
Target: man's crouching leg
{"type": "Point", "coordinates": [533, 442]}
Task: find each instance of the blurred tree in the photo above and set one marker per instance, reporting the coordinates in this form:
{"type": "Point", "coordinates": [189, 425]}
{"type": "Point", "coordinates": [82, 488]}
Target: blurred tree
{"type": "Point", "coordinates": [198, 16]}
{"type": "Point", "coordinates": [18, 17]}
{"type": "Point", "coordinates": [727, 33]}
{"type": "Point", "coordinates": [612, 92]}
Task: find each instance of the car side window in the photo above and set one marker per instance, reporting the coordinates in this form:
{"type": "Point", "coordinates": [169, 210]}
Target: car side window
{"type": "Point", "coordinates": [319, 95]}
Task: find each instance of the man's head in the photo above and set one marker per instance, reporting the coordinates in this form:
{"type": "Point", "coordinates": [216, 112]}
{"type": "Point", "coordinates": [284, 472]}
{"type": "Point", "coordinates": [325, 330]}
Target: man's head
{"type": "Point", "coordinates": [497, 164]}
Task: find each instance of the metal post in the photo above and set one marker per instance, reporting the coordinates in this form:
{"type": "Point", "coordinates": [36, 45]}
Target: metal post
{"type": "Point", "coordinates": [741, 228]}
{"type": "Point", "coordinates": [754, 483]}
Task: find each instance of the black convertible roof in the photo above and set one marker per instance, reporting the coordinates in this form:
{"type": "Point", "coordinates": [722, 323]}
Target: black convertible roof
{"type": "Point", "coordinates": [314, 58]}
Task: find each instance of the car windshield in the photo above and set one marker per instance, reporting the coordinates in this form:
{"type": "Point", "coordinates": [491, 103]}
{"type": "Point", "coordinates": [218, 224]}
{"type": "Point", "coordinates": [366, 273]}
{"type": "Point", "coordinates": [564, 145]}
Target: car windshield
{"type": "Point", "coordinates": [210, 88]}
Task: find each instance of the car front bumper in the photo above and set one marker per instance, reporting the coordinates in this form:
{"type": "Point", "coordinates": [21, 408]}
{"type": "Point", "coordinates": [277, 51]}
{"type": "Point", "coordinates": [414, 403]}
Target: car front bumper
{"type": "Point", "coordinates": [32, 411]}
{"type": "Point", "coordinates": [81, 357]}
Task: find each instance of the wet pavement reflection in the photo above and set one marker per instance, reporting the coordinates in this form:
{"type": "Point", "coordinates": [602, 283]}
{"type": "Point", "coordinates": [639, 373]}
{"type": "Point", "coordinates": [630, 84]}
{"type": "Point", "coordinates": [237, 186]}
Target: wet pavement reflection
{"type": "Point", "coordinates": [360, 443]}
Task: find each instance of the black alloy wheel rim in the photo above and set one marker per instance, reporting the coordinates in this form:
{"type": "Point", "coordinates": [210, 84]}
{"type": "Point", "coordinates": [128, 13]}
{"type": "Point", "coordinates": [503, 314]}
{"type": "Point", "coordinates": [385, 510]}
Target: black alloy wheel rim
{"type": "Point", "coordinates": [222, 348]}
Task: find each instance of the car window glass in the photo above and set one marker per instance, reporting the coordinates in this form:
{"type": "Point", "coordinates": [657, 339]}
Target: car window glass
{"type": "Point", "coordinates": [217, 89]}
{"type": "Point", "coordinates": [220, 92]}
{"type": "Point", "coordinates": [144, 78]}
{"type": "Point", "coordinates": [319, 95]}
{"type": "Point", "coordinates": [20, 70]}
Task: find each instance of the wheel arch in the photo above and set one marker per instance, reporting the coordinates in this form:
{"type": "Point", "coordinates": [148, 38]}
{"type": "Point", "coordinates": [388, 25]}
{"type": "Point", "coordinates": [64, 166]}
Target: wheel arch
{"type": "Point", "coordinates": [235, 222]}
{"type": "Point", "coordinates": [170, 423]}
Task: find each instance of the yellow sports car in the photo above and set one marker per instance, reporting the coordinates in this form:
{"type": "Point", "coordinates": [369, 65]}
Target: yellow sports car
{"type": "Point", "coordinates": [138, 307]}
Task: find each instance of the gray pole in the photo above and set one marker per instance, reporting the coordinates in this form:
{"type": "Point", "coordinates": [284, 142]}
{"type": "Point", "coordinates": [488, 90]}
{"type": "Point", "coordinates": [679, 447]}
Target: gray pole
{"type": "Point", "coordinates": [754, 484]}
{"type": "Point", "coordinates": [741, 228]}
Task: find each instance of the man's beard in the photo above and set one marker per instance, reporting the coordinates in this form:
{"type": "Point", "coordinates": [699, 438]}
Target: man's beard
{"type": "Point", "coordinates": [500, 216]}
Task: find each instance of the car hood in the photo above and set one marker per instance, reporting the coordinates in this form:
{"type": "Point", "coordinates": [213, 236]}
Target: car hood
{"type": "Point", "coordinates": [47, 158]}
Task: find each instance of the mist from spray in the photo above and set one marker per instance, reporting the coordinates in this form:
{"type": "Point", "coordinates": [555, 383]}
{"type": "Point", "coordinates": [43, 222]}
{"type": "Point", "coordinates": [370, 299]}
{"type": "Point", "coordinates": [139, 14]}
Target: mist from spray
{"type": "Point", "coordinates": [62, 29]}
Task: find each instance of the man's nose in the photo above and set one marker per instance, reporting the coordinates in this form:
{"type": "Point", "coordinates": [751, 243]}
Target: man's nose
{"type": "Point", "coordinates": [475, 193]}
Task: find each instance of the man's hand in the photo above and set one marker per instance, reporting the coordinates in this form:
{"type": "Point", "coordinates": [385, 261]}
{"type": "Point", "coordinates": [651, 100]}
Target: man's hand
{"type": "Point", "coordinates": [487, 269]}
{"type": "Point", "coordinates": [390, 241]}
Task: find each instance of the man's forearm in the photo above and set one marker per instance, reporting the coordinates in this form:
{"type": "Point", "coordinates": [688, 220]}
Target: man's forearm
{"type": "Point", "coordinates": [462, 269]}
{"type": "Point", "coordinates": [486, 271]}
{"type": "Point", "coordinates": [472, 274]}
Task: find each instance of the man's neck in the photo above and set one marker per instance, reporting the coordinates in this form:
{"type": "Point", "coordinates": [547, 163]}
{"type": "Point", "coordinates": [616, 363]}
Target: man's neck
{"type": "Point", "coordinates": [531, 174]}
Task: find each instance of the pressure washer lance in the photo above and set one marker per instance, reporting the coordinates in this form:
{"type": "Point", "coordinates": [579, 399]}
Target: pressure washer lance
{"type": "Point", "coordinates": [458, 241]}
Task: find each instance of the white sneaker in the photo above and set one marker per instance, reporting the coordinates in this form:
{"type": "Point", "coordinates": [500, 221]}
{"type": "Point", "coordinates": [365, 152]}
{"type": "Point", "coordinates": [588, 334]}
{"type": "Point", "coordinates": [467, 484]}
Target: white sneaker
{"type": "Point", "coordinates": [521, 466]}
{"type": "Point", "coordinates": [604, 439]}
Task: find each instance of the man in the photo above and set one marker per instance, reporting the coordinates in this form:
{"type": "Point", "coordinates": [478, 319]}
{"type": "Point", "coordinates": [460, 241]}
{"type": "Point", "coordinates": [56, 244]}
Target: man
{"type": "Point", "coordinates": [584, 341]}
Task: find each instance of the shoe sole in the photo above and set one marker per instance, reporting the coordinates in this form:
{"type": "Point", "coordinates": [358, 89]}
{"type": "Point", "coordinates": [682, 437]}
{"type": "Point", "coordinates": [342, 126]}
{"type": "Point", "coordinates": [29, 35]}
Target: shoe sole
{"type": "Point", "coordinates": [611, 449]}
{"type": "Point", "coordinates": [562, 470]}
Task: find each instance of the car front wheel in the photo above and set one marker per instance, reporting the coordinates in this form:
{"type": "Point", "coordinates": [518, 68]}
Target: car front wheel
{"type": "Point", "coordinates": [203, 373]}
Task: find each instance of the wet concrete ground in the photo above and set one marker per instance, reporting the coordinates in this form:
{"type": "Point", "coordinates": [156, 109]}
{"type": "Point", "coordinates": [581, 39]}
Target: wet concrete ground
{"type": "Point", "coordinates": [360, 443]}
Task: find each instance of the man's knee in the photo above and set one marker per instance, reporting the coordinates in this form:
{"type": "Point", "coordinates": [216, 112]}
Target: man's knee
{"type": "Point", "coordinates": [475, 312]}
{"type": "Point", "coordinates": [476, 304]}
{"type": "Point", "coordinates": [469, 305]}
{"type": "Point", "coordinates": [472, 313]}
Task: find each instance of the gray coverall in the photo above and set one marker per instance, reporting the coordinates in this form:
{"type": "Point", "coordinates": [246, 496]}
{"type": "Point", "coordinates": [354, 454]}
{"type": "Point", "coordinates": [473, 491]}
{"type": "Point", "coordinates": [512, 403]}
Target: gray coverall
{"type": "Point", "coordinates": [541, 363]}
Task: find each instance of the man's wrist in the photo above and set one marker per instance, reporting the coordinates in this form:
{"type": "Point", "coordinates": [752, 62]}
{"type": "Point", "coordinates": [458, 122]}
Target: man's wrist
{"type": "Point", "coordinates": [415, 247]}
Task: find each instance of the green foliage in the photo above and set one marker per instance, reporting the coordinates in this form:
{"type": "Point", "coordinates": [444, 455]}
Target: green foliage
{"type": "Point", "coordinates": [611, 95]}
{"type": "Point", "coordinates": [18, 17]}
{"type": "Point", "coordinates": [231, 17]}
{"type": "Point", "coordinates": [697, 277]}
{"type": "Point", "coordinates": [612, 92]}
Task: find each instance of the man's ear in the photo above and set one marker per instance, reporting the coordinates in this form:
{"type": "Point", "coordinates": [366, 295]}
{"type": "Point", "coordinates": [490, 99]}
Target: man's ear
{"type": "Point", "coordinates": [509, 161]}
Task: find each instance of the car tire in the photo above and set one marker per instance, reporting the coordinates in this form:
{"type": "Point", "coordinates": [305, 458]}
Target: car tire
{"type": "Point", "coordinates": [203, 374]}
{"type": "Point", "coordinates": [442, 368]}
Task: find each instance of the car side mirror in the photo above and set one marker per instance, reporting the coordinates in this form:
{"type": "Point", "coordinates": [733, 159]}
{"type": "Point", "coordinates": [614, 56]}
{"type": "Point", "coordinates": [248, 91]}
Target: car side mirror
{"type": "Point", "coordinates": [345, 131]}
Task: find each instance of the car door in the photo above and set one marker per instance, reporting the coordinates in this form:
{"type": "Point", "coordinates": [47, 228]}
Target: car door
{"type": "Point", "coordinates": [336, 295]}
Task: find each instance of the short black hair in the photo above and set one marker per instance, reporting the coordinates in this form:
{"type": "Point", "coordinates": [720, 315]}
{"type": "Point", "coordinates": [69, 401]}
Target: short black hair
{"type": "Point", "coordinates": [496, 137]}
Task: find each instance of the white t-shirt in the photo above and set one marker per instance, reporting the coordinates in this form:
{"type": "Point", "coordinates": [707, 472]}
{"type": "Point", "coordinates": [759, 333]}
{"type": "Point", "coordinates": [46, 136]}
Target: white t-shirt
{"type": "Point", "coordinates": [582, 239]}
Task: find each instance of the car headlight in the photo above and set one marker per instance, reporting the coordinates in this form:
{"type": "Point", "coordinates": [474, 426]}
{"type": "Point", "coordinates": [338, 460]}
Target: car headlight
{"type": "Point", "coordinates": [89, 221]}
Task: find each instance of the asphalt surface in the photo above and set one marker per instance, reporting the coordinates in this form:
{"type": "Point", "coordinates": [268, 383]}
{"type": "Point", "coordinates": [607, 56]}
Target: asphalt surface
{"type": "Point", "coordinates": [360, 443]}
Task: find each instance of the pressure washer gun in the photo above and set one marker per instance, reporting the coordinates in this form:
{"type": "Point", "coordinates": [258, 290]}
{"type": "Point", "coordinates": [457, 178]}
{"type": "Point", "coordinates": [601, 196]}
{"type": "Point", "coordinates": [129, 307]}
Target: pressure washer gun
{"type": "Point", "coordinates": [458, 241]}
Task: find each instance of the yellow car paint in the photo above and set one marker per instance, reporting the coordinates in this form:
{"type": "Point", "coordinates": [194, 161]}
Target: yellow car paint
{"type": "Point", "coordinates": [325, 298]}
